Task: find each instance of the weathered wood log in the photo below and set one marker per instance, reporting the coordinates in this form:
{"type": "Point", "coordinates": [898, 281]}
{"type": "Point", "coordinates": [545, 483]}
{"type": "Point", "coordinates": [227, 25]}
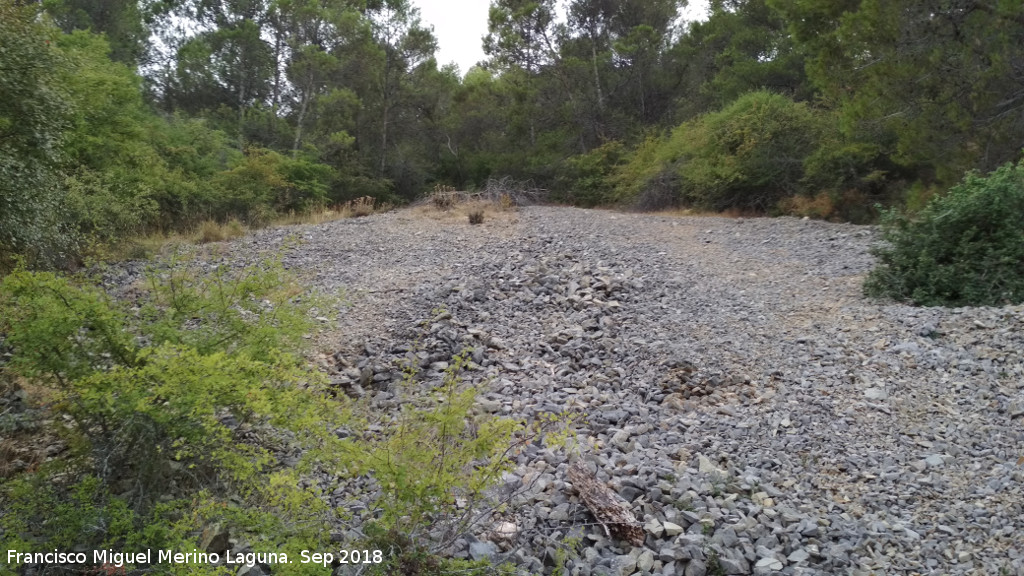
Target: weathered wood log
{"type": "Point", "coordinates": [610, 509]}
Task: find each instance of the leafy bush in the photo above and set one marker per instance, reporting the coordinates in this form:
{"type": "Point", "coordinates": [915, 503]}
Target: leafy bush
{"type": "Point", "coordinates": [854, 173]}
{"type": "Point", "coordinates": [184, 406]}
{"type": "Point", "coordinates": [749, 155]}
{"type": "Point", "coordinates": [176, 411]}
{"type": "Point", "coordinates": [266, 183]}
{"type": "Point", "coordinates": [34, 114]}
{"type": "Point", "coordinates": [109, 206]}
{"type": "Point", "coordinates": [640, 173]}
{"type": "Point", "coordinates": [964, 248]}
{"type": "Point", "coordinates": [584, 179]}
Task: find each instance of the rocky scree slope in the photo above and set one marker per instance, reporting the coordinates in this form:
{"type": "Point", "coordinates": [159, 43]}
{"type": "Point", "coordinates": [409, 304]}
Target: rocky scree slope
{"type": "Point", "coordinates": [759, 414]}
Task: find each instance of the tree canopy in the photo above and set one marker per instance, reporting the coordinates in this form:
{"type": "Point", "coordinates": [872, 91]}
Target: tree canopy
{"type": "Point", "coordinates": [127, 116]}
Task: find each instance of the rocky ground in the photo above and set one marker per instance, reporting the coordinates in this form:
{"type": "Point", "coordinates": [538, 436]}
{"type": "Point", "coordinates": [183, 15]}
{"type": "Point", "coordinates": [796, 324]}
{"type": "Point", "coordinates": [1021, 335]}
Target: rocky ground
{"type": "Point", "coordinates": [732, 383]}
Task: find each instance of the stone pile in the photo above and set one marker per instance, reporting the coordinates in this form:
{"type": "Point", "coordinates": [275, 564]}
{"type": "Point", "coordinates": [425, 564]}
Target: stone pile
{"type": "Point", "coordinates": [729, 381]}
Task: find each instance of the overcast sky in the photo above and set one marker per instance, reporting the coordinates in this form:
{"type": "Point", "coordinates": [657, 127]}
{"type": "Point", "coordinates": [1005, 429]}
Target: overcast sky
{"type": "Point", "coordinates": [460, 26]}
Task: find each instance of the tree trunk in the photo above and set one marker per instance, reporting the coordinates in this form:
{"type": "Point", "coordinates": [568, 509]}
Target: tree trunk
{"type": "Point", "coordinates": [303, 107]}
{"type": "Point", "coordinates": [597, 77]}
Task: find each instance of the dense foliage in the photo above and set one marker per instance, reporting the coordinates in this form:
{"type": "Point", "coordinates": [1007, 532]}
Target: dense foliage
{"type": "Point", "coordinates": [746, 157]}
{"type": "Point", "coordinates": [132, 117]}
{"type": "Point", "coordinates": [33, 115]}
{"type": "Point", "coordinates": [964, 248]}
{"type": "Point", "coordinates": [192, 405]}
{"type": "Point", "coordinates": [154, 399]}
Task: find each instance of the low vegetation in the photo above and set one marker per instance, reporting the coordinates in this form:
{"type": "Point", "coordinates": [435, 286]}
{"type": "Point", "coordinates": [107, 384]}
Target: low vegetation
{"type": "Point", "coordinates": [964, 248]}
{"type": "Point", "coordinates": [176, 411]}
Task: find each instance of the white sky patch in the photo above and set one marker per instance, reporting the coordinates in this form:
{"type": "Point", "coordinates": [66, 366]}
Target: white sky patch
{"type": "Point", "coordinates": [460, 26]}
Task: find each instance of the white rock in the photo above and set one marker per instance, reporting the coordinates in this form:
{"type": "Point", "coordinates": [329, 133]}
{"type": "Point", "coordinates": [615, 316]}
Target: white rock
{"type": "Point", "coordinates": [505, 531]}
{"type": "Point", "coordinates": [770, 563]}
{"type": "Point", "coordinates": [672, 529]}
{"type": "Point", "coordinates": [704, 465]}
{"type": "Point", "coordinates": [876, 394]}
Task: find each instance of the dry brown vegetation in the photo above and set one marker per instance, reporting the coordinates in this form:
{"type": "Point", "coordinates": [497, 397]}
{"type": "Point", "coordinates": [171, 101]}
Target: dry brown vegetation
{"type": "Point", "coordinates": [211, 231]}
{"type": "Point", "coordinates": [450, 206]}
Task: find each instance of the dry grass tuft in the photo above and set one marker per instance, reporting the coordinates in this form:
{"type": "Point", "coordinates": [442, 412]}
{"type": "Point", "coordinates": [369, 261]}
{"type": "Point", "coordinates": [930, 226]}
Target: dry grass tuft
{"type": "Point", "coordinates": [315, 216]}
{"type": "Point", "coordinates": [461, 212]}
{"type": "Point", "coordinates": [690, 212]}
{"type": "Point", "coordinates": [445, 197]}
{"type": "Point", "coordinates": [212, 231]}
{"type": "Point", "coordinates": [363, 206]}
{"type": "Point", "coordinates": [506, 203]}
{"type": "Point", "coordinates": [820, 207]}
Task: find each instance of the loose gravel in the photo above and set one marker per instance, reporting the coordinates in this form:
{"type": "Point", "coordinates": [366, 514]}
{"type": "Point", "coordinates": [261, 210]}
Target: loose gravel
{"type": "Point", "coordinates": [733, 384]}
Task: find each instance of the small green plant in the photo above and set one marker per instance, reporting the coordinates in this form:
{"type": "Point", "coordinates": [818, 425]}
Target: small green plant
{"type": "Point", "coordinates": [684, 503]}
{"type": "Point", "coordinates": [173, 410]}
{"type": "Point", "coordinates": [566, 550]}
{"type": "Point", "coordinates": [714, 564]}
{"type": "Point", "coordinates": [965, 248]}
{"type": "Point", "coordinates": [707, 527]}
{"type": "Point", "coordinates": [437, 460]}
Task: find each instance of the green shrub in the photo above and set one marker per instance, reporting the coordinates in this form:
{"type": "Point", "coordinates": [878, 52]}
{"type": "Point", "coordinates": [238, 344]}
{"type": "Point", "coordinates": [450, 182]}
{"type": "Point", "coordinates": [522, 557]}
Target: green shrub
{"type": "Point", "coordinates": [179, 409]}
{"type": "Point", "coordinates": [641, 174]}
{"type": "Point", "coordinates": [265, 183]}
{"type": "Point", "coordinates": [176, 409]}
{"type": "Point", "coordinates": [34, 113]}
{"type": "Point", "coordinates": [585, 180]}
{"type": "Point", "coordinates": [854, 172]}
{"type": "Point", "coordinates": [749, 155]}
{"type": "Point", "coordinates": [109, 206]}
{"type": "Point", "coordinates": [965, 247]}
{"type": "Point", "coordinates": [438, 459]}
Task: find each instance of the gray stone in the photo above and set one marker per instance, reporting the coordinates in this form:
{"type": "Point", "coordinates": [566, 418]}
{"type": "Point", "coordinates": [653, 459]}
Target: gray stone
{"type": "Point", "coordinates": [726, 537]}
{"type": "Point", "coordinates": [707, 467]}
{"type": "Point", "coordinates": [645, 561]}
{"type": "Point", "coordinates": [798, 556]}
{"type": "Point", "coordinates": [625, 564]}
{"type": "Point", "coordinates": [767, 565]}
{"type": "Point", "coordinates": [696, 568]}
{"type": "Point", "coordinates": [733, 564]}
{"type": "Point", "coordinates": [214, 538]}
{"type": "Point", "coordinates": [672, 529]}
{"type": "Point", "coordinates": [876, 394]}
{"type": "Point", "coordinates": [254, 570]}
{"type": "Point", "coordinates": [654, 528]}
{"type": "Point", "coordinates": [482, 550]}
